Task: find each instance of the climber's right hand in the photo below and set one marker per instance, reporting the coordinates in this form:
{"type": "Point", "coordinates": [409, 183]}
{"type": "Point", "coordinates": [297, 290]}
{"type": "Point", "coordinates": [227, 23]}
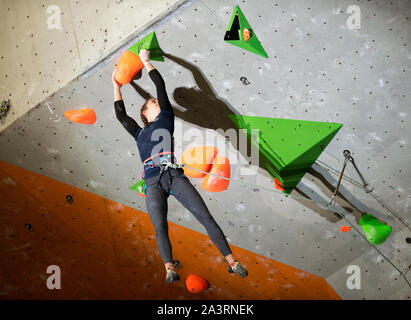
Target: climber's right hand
{"type": "Point", "coordinates": [144, 55]}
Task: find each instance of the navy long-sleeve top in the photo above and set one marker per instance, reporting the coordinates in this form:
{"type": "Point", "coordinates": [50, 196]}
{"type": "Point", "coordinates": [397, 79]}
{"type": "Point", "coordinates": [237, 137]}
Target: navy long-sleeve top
{"type": "Point", "coordinates": [157, 136]}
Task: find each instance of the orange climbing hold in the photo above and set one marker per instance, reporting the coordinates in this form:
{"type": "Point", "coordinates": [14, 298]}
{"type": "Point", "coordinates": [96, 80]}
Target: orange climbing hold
{"type": "Point", "coordinates": [196, 284]}
{"type": "Point", "coordinates": [246, 34]}
{"type": "Point", "coordinates": [128, 67]}
{"type": "Point", "coordinates": [200, 158]}
{"type": "Point", "coordinates": [345, 228]}
{"type": "Point", "coordinates": [221, 167]}
{"type": "Point", "coordinates": [278, 185]}
{"type": "Point", "coordinates": [84, 116]}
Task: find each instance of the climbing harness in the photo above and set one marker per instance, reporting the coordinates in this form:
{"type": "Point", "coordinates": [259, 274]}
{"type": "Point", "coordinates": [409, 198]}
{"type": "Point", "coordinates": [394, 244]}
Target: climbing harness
{"type": "Point", "coordinates": [164, 160]}
{"type": "Point", "coordinates": [166, 163]}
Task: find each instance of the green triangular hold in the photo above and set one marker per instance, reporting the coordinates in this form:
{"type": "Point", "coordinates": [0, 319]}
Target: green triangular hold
{"type": "Point", "coordinates": [375, 231]}
{"type": "Point", "coordinates": [139, 187]}
{"type": "Point", "coordinates": [149, 42]}
{"type": "Point", "coordinates": [234, 34]}
{"type": "Point", "coordinates": [288, 148]}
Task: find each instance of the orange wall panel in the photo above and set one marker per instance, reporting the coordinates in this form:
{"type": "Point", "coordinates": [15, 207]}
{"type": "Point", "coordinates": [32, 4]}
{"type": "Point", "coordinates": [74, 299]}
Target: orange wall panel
{"type": "Point", "coordinates": [108, 251]}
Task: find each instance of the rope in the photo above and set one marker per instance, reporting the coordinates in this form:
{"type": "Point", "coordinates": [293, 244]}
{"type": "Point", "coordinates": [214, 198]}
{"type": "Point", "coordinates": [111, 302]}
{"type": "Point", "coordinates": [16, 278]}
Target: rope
{"type": "Point", "coordinates": [328, 205]}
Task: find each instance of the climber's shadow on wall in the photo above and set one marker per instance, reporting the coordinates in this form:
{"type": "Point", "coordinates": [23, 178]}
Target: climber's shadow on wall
{"type": "Point", "coordinates": [202, 107]}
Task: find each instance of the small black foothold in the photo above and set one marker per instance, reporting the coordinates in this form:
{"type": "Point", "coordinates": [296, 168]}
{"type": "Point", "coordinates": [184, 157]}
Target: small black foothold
{"type": "Point", "coordinates": [28, 227]}
{"type": "Point", "coordinates": [244, 80]}
{"type": "Point", "coordinates": [4, 108]}
{"type": "Point", "coordinates": [408, 240]}
{"type": "Point", "coordinates": [69, 199]}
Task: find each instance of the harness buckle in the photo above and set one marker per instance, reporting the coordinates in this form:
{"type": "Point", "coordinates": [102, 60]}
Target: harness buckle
{"type": "Point", "coordinates": [168, 163]}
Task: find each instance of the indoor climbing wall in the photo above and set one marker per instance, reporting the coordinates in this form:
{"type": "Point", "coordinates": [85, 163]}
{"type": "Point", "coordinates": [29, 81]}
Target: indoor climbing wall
{"type": "Point", "coordinates": [317, 70]}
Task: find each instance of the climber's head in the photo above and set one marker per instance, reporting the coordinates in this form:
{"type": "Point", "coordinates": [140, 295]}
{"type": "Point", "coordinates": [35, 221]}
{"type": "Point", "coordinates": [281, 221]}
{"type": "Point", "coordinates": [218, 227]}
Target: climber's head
{"type": "Point", "coordinates": [150, 110]}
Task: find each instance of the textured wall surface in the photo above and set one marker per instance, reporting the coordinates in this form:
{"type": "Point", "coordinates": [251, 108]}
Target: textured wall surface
{"type": "Point", "coordinates": [317, 69]}
{"type": "Point", "coordinates": [40, 55]}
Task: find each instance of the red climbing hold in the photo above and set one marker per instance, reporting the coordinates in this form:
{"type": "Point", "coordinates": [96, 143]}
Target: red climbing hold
{"type": "Point", "coordinates": [220, 167]}
{"type": "Point", "coordinates": [196, 284]}
{"type": "Point", "coordinates": [345, 228]}
{"type": "Point", "coordinates": [84, 116]}
{"type": "Point", "coordinates": [278, 185]}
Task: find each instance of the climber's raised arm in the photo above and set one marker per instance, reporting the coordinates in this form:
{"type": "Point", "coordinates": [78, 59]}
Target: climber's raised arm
{"type": "Point", "coordinates": [128, 123]}
{"type": "Point", "coordinates": [157, 79]}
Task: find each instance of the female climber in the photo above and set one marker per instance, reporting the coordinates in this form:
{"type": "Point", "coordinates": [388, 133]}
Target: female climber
{"type": "Point", "coordinates": [157, 116]}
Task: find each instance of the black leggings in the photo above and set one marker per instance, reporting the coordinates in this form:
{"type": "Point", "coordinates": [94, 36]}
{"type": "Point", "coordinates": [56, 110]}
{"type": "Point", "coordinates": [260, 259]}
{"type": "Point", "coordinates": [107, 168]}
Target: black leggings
{"type": "Point", "coordinates": [157, 193]}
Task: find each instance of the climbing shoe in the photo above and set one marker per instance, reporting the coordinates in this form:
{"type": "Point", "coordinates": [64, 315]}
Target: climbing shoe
{"type": "Point", "coordinates": [237, 268]}
{"type": "Point", "coordinates": [172, 275]}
